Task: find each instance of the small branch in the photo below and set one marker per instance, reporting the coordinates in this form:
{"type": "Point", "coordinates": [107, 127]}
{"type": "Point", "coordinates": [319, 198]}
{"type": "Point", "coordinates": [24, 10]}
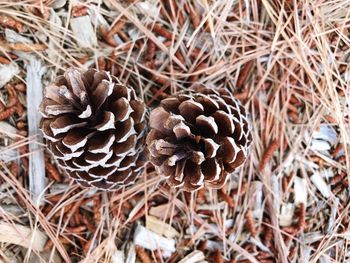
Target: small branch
{"type": "Point", "coordinates": [36, 159]}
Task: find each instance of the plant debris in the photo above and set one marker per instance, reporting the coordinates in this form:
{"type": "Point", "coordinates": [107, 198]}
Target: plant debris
{"type": "Point", "coordinates": [288, 64]}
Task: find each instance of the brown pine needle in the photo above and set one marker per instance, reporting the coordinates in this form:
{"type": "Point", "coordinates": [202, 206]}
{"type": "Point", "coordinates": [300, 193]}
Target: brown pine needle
{"type": "Point", "coordinates": [268, 153]}
{"type": "Point", "coordinates": [142, 255]}
{"type": "Point", "coordinates": [23, 47]}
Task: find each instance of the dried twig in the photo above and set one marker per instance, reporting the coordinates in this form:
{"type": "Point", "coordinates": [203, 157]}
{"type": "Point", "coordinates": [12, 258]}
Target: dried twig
{"type": "Point", "coordinates": [36, 159]}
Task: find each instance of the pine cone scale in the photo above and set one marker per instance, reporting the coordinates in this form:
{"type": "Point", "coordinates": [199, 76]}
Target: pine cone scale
{"type": "Point", "coordinates": [75, 83]}
{"type": "Point", "coordinates": [190, 110]}
{"type": "Point", "coordinates": [211, 170]}
{"type": "Point", "coordinates": [74, 140]}
{"type": "Point", "coordinates": [100, 95]}
{"type": "Point", "coordinates": [65, 123]}
{"type": "Point", "coordinates": [101, 143]}
{"type": "Point", "coordinates": [121, 109]}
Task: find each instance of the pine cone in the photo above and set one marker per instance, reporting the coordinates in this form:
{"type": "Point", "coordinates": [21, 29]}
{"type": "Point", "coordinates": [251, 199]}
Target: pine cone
{"type": "Point", "coordinates": [197, 138]}
{"type": "Point", "coordinates": [95, 127]}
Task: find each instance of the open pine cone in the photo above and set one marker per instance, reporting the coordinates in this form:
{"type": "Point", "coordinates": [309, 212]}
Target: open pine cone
{"type": "Point", "coordinates": [199, 137]}
{"type": "Point", "coordinates": [95, 127]}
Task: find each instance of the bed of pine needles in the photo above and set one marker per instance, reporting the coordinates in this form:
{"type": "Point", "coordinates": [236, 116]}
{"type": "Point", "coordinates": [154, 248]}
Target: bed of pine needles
{"type": "Point", "coordinates": [287, 61]}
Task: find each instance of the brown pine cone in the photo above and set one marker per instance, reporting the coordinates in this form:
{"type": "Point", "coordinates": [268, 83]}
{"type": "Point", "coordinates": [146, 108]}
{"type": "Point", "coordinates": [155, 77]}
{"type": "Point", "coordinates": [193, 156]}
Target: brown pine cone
{"type": "Point", "coordinates": [95, 128]}
{"type": "Point", "coordinates": [197, 138]}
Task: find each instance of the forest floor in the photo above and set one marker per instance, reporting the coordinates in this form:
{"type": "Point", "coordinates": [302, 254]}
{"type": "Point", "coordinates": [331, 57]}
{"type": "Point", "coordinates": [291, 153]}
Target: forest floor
{"type": "Point", "coordinates": [286, 61]}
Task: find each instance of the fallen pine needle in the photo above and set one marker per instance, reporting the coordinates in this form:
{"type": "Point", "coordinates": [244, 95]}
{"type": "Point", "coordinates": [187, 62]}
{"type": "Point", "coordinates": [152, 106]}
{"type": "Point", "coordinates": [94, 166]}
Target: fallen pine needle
{"type": "Point", "coordinates": [142, 254]}
{"type": "Point", "coordinates": [267, 156]}
{"type": "Point", "coordinates": [10, 22]}
{"type": "Point", "coordinates": [250, 224]}
{"type": "Point", "coordinates": [23, 47]}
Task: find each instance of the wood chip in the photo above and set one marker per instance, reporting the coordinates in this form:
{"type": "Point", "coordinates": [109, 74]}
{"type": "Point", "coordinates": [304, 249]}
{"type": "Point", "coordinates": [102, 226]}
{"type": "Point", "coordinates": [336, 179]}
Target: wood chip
{"type": "Point", "coordinates": [152, 241]}
{"type": "Point", "coordinates": [320, 145]}
{"type": "Point", "coordinates": [326, 133]}
{"type": "Point", "coordinates": [332, 217]}
{"type": "Point", "coordinates": [306, 251]}
{"type": "Point", "coordinates": [13, 37]}
{"type": "Point", "coordinates": [46, 256]}
{"type": "Point", "coordinates": [286, 214]}
{"type": "Point", "coordinates": [7, 72]}
{"type": "Point", "coordinates": [83, 31]}
{"type": "Point", "coordinates": [300, 190]}
{"type": "Point", "coordinates": [58, 3]}
{"type": "Point", "coordinates": [194, 257]}
{"type": "Point", "coordinates": [148, 8]}
{"type": "Point", "coordinates": [12, 209]}
{"type": "Point", "coordinates": [256, 197]}
{"type": "Point", "coordinates": [321, 185]}
{"type": "Point", "coordinates": [214, 245]}
{"type": "Point", "coordinates": [118, 257]}
{"type": "Point", "coordinates": [131, 255]}
{"type": "Point", "coordinates": [160, 227]}
{"type": "Point", "coordinates": [8, 155]}
{"type": "Point", "coordinates": [8, 129]}
{"type": "Point", "coordinates": [161, 211]}
{"type": "Point", "coordinates": [22, 236]}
